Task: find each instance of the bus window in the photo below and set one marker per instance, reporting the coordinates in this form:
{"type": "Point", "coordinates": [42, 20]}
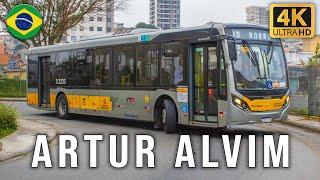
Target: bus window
{"type": "Point", "coordinates": [107, 68]}
{"type": "Point", "coordinates": [124, 66]}
{"type": "Point", "coordinates": [99, 65]}
{"type": "Point", "coordinates": [172, 64]}
{"type": "Point", "coordinates": [33, 76]}
{"type": "Point", "coordinates": [90, 66]}
{"type": "Point", "coordinates": [223, 76]}
{"type": "Point", "coordinates": [63, 68]}
{"type": "Point", "coordinates": [82, 68]}
{"type": "Point", "coordinates": [147, 65]}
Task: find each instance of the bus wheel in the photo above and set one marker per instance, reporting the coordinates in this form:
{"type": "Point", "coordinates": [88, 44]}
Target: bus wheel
{"type": "Point", "coordinates": [62, 109]}
{"type": "Point", "coordinates": [169, 116]}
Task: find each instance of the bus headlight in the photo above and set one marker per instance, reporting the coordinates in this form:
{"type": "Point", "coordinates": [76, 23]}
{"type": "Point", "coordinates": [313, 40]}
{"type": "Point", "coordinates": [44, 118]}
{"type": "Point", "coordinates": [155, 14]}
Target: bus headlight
{"type": "Point", "coordinates": [240, 103]}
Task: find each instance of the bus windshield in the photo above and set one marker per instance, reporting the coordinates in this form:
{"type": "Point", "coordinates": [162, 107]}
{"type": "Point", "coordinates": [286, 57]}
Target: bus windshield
{"type": "Point", "coordinates": [260, 67]}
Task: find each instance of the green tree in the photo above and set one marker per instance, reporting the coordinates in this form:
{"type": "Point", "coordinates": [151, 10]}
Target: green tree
{"type": "Point", "coordinates": [315, 60]}
{"type": "Point", "coordinates": [60, 15]}
{"type": "Point", "coordinates": [145, 26]}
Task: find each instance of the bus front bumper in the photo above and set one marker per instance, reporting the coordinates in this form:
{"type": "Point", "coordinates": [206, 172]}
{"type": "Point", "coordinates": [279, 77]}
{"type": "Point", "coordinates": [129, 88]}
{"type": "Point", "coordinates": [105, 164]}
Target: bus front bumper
{"type": "Point", "coordinates": [237, 116]}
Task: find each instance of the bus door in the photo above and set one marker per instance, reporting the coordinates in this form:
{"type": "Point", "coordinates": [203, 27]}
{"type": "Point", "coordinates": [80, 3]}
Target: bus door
{"type": "Point", "coordinates": [205, 93]}
{"type": "Point", "coordinates": [44, 87]}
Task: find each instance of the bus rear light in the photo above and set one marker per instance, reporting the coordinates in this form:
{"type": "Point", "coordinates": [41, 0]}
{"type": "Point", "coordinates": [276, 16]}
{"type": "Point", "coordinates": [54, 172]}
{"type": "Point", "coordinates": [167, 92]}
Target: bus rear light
{"type": "Point", "coordinates": [221, 114]}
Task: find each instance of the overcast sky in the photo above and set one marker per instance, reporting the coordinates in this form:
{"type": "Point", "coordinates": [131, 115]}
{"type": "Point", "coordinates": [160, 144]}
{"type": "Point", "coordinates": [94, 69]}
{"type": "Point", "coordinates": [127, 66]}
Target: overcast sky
{"type": "Point", "coordinates": [199, 12]}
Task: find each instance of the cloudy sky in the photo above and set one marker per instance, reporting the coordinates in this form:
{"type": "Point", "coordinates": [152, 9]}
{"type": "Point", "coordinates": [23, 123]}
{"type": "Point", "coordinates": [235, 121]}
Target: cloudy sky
{"type": "Point", "coordinates": [199, 12]}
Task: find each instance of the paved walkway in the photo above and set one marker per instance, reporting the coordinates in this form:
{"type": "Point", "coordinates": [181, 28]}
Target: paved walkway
{"type": "Point", "coordinates": [23, 140]}
{"type": "Point", "coordinates": [309, 124]}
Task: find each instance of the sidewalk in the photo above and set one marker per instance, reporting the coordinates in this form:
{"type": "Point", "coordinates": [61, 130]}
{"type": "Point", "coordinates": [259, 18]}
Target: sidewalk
{"type": "Point", "coordinates": [13, 99]}
{"type": "Point", "coordinates": [303, 123]}
{"type": "Point", "coordinates": [23, 140]}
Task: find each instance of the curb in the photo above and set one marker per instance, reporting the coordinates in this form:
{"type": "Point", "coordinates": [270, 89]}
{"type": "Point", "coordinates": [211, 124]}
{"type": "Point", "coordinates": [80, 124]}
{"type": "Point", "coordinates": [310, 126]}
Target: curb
{"type": "Point", "coordinates": [302, 126]}
{"type": "Point", "coordinates": [14, 99]}
{"type": "Point", "coordinates": [30, 149]}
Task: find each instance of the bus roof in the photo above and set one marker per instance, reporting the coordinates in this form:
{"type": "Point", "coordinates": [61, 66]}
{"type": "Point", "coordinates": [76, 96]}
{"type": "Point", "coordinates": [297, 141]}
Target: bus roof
{"type": "Point", "coordinates": [137, 37]}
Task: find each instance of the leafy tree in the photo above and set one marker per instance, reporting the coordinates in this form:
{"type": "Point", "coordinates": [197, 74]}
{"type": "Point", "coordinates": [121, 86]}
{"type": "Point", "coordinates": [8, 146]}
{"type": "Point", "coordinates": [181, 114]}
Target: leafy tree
{"type": "Point", "coordinates": [315, 60]}
{"type": "Point", "coordinates": [60, 15]}
{"type": "Point", "coordinates": [145, 26]}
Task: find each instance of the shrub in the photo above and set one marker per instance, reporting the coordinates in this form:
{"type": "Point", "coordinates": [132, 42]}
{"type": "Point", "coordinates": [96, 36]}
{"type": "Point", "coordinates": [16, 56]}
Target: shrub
{"type": "Point", "coordinates": [8, 117]}
{"type": "Point", "coordinates": [12, 88]}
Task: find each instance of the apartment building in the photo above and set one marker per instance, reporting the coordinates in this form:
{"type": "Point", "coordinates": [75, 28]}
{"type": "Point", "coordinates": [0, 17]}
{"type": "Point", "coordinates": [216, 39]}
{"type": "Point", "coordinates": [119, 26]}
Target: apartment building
{"type": "Point", "coordinates": [97, 23]}
{"type": "Point", "coordinates": [257, 15]}
{"type": "Point", "coordinates": [165, 14]}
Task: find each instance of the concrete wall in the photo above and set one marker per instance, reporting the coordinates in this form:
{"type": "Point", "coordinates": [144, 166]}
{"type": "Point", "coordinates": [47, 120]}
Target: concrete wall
{"type": "Point", "coordinates": [299, 102]}
{"type": "Point", "coordinates": [314, 90]}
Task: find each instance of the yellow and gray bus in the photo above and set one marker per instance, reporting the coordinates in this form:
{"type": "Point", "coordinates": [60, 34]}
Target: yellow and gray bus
{"type": "Point", "coordinates": [215, 75]}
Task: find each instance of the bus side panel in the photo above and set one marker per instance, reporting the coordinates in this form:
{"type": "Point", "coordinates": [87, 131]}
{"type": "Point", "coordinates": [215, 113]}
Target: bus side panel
{"type": "Point", "coordinates": [126, 104]}
{"type": "Point", "coordinates": [32, 97]}
{"type": "Point", "coordinates": [183, 118]}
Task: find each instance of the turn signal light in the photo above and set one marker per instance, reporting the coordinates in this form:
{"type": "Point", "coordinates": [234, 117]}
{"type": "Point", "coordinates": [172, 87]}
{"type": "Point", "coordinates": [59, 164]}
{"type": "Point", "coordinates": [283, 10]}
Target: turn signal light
{"type": "Point", "coordinates": [287, 101]}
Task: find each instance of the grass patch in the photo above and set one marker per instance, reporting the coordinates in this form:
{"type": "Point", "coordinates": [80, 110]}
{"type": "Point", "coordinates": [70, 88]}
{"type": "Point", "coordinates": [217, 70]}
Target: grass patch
{"type": "Point", "coordinates": [8, 120]}
{"type": "Point", "coordinates": [6, 132]}
{"type": "Point", "coordinates": [305, 114]}
{"type": "Point", "coordinates": [300, 112]}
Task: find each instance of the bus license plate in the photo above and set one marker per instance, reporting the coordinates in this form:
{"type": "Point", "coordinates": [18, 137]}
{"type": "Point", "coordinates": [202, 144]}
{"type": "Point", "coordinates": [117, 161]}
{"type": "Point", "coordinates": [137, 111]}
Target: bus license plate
{"type": "Point", "coordinates": [266, 120]}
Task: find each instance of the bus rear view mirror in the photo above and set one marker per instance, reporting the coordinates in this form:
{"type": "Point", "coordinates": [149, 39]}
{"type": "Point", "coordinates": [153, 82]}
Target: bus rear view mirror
{"type": "Point", "coordinates": [232, 50]}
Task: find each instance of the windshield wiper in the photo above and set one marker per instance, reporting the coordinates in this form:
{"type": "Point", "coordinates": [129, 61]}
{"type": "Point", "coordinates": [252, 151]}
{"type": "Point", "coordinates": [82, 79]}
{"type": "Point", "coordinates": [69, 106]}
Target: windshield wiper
{"type": "Point", "coordinates": [270, 53]}
{"type": "Point", "coordinates": [251, 53]}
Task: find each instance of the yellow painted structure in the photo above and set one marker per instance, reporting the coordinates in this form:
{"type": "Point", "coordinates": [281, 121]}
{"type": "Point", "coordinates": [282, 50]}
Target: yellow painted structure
{"type": "Point", "coordinates": [263, 105]}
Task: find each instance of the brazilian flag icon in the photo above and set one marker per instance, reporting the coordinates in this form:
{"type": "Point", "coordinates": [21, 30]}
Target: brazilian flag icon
{"type": "Point", "coordinates": [24, 22]}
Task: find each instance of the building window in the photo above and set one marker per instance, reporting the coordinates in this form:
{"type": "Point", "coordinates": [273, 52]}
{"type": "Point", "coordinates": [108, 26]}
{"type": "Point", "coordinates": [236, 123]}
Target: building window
{"type": "Point", "coordinates": [109, 29]}
{"type": "Point", "coordinates": [91, 18]}
{"type": "Point", "coordinates": [99, 18]}
{"type": "Point", "coordinates": [109, 19]}
{"type": "Point", "coordinates": [73, 38]}
{"type": "Point", "coordinates": [91, 28]}
{"type": "Point", "coordinates": [99, 28]}
{"type": "Point", "coordinates": [81, 28]}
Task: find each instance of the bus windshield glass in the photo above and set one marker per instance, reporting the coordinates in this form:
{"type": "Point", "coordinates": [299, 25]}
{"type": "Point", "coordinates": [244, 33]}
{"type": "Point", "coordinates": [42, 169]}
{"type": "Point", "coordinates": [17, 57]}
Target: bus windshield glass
{"type": "Point", "coordinates": [260, 67]}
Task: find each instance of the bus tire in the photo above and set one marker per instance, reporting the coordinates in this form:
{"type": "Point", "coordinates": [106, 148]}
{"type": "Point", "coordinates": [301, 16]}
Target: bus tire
{"type": "Point", "coordinates": [169, 116]}
{"type": "Point", "coordinates": [62, 107]}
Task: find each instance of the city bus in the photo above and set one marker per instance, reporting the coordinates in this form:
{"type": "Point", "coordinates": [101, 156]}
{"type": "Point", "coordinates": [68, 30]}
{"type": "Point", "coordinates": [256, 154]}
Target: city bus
{"type": "Point", "coordinates": [216, 75]}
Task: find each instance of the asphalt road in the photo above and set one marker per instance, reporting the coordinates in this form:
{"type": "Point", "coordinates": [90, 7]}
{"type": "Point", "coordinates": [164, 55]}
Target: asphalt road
{"type": "Point", "coordinates": [304, 152]}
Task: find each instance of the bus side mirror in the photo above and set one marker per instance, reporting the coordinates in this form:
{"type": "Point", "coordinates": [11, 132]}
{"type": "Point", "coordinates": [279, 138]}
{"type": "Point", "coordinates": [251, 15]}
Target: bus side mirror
{"type": "Point", "coordinates": [232, 49]}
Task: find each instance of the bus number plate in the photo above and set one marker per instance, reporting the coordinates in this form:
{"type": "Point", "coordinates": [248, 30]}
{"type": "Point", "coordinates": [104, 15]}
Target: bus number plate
{"type": "Point", "coordinates": [266, 120]}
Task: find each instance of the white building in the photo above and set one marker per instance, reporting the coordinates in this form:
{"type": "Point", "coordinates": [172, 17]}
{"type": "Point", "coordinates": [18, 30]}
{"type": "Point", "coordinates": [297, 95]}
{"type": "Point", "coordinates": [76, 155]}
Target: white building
{"type": "Point", "coordinates": [97, 23]}
{"type": "Point", "coordinates": [165, 14]}
{"type": "Point", "coordinates": [258, 15]}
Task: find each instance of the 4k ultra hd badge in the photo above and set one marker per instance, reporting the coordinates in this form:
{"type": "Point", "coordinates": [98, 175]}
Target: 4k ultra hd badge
{"type": "Point", "coordinates": [24, 22]}
{"type": "Point", "coordinates": [292, 20]}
